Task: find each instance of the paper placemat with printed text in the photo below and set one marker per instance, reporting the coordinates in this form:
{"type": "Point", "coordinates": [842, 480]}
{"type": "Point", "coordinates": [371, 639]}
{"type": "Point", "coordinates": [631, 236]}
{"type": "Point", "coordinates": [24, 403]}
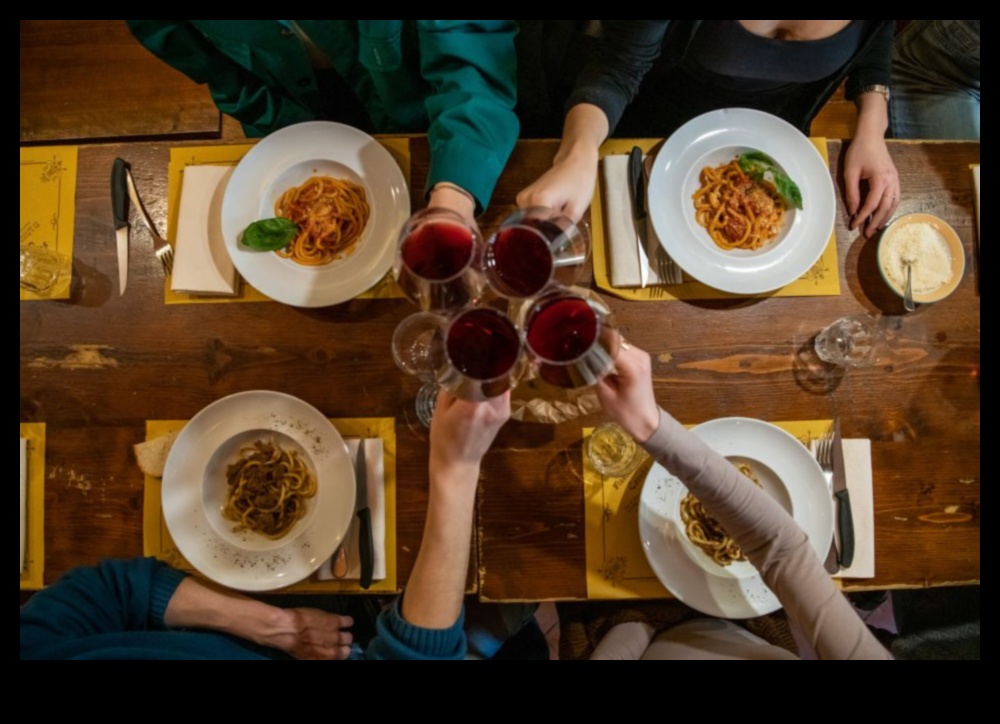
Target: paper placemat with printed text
{"type": "Point", "coordinates": [33, 578]}
{"type": "Point", "coordinates": [182, 157]}
{"type": "Point", "coordinates": [823, 280]}
{"type": "Point", "coordinates": [48, 207]}
{"type": "Point", "coordinates": [158, 543]}
{"type": "Point", "coordinates": [617, 568]}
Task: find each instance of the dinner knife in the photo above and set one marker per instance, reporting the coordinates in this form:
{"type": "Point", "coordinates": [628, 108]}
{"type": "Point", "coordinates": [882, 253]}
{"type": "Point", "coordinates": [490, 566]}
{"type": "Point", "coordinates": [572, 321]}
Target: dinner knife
{"type": "Point", "coordinates": [637, 191]}
{"type": "Point", "coordinates": [366, 545]}
{"type": "Point", "coordinates": [119, 208]}
{"type": "Point", "coordinates": [845, 518]}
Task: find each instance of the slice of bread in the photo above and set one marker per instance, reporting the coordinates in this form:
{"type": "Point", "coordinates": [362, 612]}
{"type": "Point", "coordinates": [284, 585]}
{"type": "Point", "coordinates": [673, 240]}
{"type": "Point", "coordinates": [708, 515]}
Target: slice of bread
{"type": "Point", "coordinates": [152, 455]}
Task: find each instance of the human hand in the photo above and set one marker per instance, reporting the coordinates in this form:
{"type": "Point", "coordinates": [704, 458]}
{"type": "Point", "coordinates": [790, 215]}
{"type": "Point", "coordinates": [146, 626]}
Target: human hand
{"type": "Point", "coordinates": [567, 187]}
{"type": "Point", "coordinates": [309, 635]}
{"type": "Point", "coordinates": [445, 197]}
{"type": "Point", "coordinates": [868, 160]}
{"type": "Point", "coordinates": [462, 432]}
{"type": "Point", "coordinates": [627, 396]}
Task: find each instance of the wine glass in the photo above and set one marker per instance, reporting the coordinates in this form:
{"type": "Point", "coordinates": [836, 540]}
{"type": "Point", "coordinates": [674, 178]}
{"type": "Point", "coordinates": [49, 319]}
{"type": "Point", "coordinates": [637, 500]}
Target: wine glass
{"type": "Point", "coordinates": [439, 260]}
{"type": "Point", "coordinates": [533, 249]}
{"type": "Point", "coordinates": [572, 339]}
{"type": "Point", "coordinates": [483, 355]}
{"type": "Point", "coordinates": [418, 350]}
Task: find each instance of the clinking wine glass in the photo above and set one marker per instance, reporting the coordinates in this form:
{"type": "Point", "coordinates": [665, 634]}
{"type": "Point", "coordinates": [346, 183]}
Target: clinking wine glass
{"type": "Point", "coordinates": [534, 249]}
{"type": "Point", "coordinates": [483, 355]}
{"type": "Point", "coordinates": [439, 260]}
{"type": "Point", "coordinates": [418, 350]}
{"type": "Point", "coordinates": [572, 339]}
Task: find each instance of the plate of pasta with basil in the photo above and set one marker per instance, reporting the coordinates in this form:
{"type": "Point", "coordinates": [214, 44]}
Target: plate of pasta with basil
{"type": "Point", "coordinates": [691, 553]}
{"type": "Point", "coordinates": [742, 201]}
{"type": "Point", "coordinates": [311, 214]}
{"type": "Point", "coordinates": [258, 491]}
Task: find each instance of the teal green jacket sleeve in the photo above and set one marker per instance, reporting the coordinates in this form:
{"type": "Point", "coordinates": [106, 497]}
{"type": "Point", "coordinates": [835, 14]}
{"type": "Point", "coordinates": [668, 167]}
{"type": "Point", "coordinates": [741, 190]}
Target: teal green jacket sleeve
{"type": "Point", "coordinates": [471, 66]}
{"type": "Point", "coordinates": [397, 640]}
{"type": "Point", "coordinates": [236, 91]}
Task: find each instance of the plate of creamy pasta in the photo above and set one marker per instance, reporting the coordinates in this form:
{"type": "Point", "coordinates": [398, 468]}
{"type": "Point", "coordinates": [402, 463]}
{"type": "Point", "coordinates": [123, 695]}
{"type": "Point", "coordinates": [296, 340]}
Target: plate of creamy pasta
{"type": "Point", "coordinates": [311, 214]}
{"type": "Point", "coordinates": [742, 201]}
{"type": "Point", "coordinates": [693, 556]}
{"type": "Point", "coordinates": [258, 491]}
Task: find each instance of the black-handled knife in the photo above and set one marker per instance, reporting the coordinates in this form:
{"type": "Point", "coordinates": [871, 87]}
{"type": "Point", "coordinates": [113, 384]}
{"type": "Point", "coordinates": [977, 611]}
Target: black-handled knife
{"type": "Point", "coordinates": [119, 209]}
{"type": "Point", "coordinates": [637, 193]}
{"type": "Point", "coordinates": [845, 518]}
{"type": "Point", "coordinates": [366, 545]}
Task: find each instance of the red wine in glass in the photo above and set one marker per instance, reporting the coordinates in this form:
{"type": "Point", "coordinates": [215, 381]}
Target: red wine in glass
{"type": "Point", "coordinates": [438, 259]}
{"type": "Point", "coordinates": [572, 339]}
{"type": "Point", "coordinates": [484, 352]}
{"type": "Point", "coordinates": [533, 249]}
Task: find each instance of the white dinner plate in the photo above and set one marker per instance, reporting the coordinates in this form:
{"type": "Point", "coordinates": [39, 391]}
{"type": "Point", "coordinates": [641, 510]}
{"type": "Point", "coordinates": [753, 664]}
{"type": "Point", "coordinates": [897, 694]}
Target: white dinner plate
{"type": "Point", "coordinates": [717, 138]}
{"type": "Point", "coordinates": [288, 158]}
{"type": "Point", "coordinates": [246, 562]}
{"type": "Point", "coordinates": [787, 472]}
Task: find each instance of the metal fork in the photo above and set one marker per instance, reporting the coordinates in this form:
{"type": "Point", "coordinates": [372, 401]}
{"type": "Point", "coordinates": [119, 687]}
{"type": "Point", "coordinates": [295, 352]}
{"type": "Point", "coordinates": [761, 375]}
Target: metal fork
{"type": "Point", "coordinates": [161, 247]}
{"type": "Point", "coordinates": [666, 268]}
{"type": "Point", "coordinates": [823, 452]}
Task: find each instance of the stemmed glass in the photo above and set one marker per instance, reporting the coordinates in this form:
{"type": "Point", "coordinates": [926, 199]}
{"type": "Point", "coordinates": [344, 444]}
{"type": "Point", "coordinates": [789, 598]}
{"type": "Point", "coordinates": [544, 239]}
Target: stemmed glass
{"type": "Point", "coordinates": [533, 249]}
{"type": "Point", "coordinates": [572, 339]}
{"type": "Point", "coordinates": [418, 349]}
{"type": "Point", "coordinates": [483, 355]}
{"type": "Point", "coordinates": [439, 260]}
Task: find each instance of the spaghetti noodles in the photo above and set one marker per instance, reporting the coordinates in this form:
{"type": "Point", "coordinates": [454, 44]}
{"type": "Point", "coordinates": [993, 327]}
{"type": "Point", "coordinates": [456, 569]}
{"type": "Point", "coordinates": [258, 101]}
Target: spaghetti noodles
{"type": "Point", "coordinates": [737, 212]}
{"type": "Point", "coordinates": [331, 215]}
{"type": "Point", "coordinates": [268, 490]}
{"type": "Point", "coordinates": [705, 531]}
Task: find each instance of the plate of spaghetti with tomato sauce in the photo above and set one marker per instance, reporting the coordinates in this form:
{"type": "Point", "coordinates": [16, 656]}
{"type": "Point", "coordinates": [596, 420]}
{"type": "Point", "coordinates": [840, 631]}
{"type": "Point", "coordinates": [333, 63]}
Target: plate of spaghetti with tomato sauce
{"type": "Point", "coordinates": [742, 201]}
{"type": "Point", "coordinates": [311, 214]}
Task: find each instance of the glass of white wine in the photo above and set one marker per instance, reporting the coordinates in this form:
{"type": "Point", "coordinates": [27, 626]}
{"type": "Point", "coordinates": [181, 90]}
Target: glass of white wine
{"type": "Point", "coordinates": [613, 452]}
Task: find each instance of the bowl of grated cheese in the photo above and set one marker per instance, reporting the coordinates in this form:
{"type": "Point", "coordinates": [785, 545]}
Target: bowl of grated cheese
{"type": "Point", "coordinates": [932, 249]}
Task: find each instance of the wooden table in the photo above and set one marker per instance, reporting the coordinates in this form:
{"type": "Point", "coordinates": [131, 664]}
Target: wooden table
{"type": "Point", "coordinates": [96, 368]}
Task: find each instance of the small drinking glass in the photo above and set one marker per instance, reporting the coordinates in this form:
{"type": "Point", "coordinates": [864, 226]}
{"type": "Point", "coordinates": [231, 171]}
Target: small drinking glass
{"type": "Point", "coordinates": [418, 350]}
{"type": "Point", "coordinates": [483, 355]}
{"type": "Point", "coordinates": [439, 260]}
{"type": "Point", "coordinates": [534, 249]}
{"type": "Point", "coordinates": [613, 452]}
{"type": "Point", "coordinates": [40, 269]}
{"type": "Point", "coordinates": [572, 339]}
{"type": "Point", "coordinates": [852, 341]}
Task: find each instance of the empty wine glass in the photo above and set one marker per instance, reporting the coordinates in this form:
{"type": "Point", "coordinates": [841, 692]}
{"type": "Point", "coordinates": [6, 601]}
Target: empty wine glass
{"type": "Point", "coordinates": [439, 260]}
{"type": "Point", "coordinates": [852, 341]}
{"type": "Point", "coordinates": [572, 339]}
{"type": "Point", "coordinates": [418, 350]}
{"type": "Point", "coordinates": [534, 249]}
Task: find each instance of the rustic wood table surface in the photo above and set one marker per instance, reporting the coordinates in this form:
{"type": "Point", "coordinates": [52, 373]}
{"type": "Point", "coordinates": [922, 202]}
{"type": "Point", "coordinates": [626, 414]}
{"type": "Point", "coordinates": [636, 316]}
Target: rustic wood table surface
{"type": "Point", "coordinates": [95, 368]}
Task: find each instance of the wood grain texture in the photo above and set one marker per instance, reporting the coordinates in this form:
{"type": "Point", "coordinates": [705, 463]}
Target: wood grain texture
{"type": "Point", "coordinates": [96, 367]}
{"type": "Point", "coordinates": [90, 79]}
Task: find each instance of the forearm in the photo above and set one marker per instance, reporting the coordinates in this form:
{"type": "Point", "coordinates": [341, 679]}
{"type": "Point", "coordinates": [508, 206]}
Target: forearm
{"type": "Point", "coordinates": [584, 131]}
{"type": "Point", "coordinates": [873, 116]}
{"type": "Point", "coordinates": [195, 605]}
{"type": "Point", "coordinates": [435, 594]}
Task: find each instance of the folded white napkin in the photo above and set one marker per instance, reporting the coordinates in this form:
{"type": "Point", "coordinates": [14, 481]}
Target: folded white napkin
{"type": "Point", "coordinates": [24, 495]}
{"type": "Point", "coordinates": [376, 502]}
{"type": "Point", "coordinates": [858, 461]}
{"type": "Point", "coordinates": [975, 183]}
{"type": "Point", "coordinates": [201, 263]}
{"type": "Point", "coordinates": [623, 256]}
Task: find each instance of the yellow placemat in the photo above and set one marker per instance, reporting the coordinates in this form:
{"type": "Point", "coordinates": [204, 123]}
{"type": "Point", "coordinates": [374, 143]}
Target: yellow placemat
{"type": "Point", "coordinates": [158, 543]}
{"type": "Point", "coordinates": [616, 564]}
{"type": "Point", "coordinates": [180, 158]}
{"type": "Point", "coordinates": [823, 280]}
{"type": "Point", "coordinates": [48, 207]}
{"type": "Point", "coordinates": [33, 578]}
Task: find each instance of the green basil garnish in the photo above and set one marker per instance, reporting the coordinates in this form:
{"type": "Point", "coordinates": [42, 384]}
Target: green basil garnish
{"type": "Point", "coordinates": [270, 234]}
{"type": "Point", "coordinates": [763, 169]}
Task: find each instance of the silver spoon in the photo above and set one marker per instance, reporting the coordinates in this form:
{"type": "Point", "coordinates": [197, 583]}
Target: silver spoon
{"type": "Point", "coordinates": [908, 303]}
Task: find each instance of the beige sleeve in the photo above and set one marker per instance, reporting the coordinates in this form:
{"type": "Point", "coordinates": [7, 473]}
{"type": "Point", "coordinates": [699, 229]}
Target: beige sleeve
{"type": "Point", "coordinates": [771, 540]}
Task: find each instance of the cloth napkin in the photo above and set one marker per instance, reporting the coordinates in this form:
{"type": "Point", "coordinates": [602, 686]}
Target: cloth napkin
{"type": "Point", "coordinates": [975, 183]}
{"type": "Point", "coordinates": [623, 256]}
{"type": "Point", "coordinates": [202, 265]}
{"type": "Point", "coordinates": [374, 457]}
{"type": "Point", "coordinates": [858, 461]}
{"type": "Point", "coordinates": [24, 495]}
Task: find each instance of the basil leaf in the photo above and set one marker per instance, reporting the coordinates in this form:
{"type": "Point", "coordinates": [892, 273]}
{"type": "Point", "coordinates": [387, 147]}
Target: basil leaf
{"type": "Point", "coordinates": [270, 234]}
{"type": "Point", "coordinates": [763, 169]}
